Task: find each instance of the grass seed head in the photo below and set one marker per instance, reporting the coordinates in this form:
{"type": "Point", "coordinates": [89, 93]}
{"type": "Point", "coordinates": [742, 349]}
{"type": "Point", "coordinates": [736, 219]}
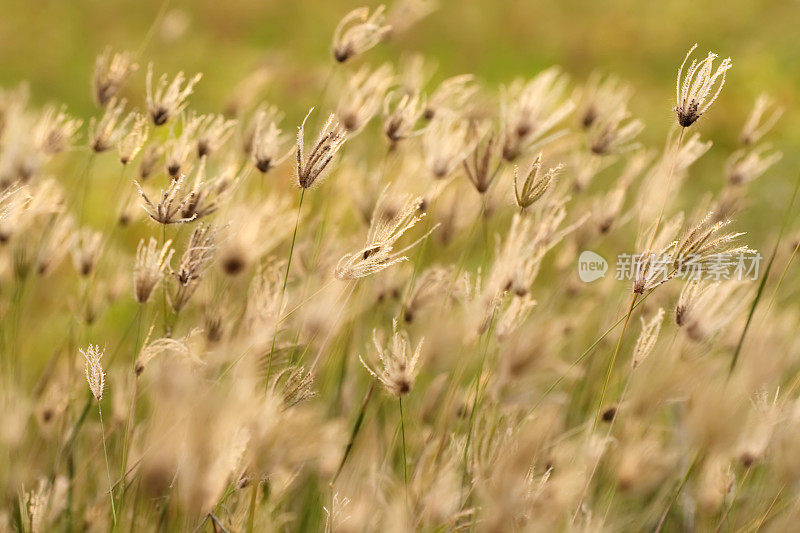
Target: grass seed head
{"type": "Point", "coordinates": [357, 32]}
{"type": "Point", "coordinates": [694, 94]}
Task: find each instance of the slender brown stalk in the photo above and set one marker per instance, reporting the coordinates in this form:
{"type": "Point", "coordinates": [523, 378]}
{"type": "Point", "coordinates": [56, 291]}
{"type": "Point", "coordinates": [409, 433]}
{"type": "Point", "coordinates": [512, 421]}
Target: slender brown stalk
{"type": "Point", "coordinates": [403, 431]}
{"type": "Point", "coordinates": [285, 280]}
{"type": "Point", "coordinates": [612, 361]}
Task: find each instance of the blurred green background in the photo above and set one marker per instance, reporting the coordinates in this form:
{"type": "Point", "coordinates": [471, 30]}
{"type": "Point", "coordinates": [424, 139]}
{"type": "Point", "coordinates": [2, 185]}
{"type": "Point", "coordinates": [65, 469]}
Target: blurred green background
{"type": "Point", "coordinates": [53, 44]}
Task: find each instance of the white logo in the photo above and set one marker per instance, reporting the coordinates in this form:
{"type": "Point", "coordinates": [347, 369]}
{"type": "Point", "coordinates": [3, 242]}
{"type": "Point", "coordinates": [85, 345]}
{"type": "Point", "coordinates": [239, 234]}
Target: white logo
{"type": "Point", "coordinates": [591, 266]}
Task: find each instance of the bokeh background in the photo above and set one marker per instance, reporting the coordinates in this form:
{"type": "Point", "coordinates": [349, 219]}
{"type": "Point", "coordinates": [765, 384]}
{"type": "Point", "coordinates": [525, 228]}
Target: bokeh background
{"type": "Point", "coordinates": [53, 44]}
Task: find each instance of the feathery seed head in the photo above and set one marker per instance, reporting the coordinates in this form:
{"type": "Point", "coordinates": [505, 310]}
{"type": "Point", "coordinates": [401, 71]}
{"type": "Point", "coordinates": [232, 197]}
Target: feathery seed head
{"type": "Point", "coordinates": [384, 232]}
{"type": "Point", "coordinates": [647, 338]}
{"type": "Point", "coordinates": [399, 122]}
{"type": "Point", "coordinates": [692, 96]}
{"type": "Point", "coordinates": [530, 110]}
{"type": "Point", "coordinates": [149, 161]}
{"type": "Point", "coordinates": [206, 195]}
{"type": "Point", "coordinates": [110, 73]}
{"type": "Point", "coordinates": [294, 386]}
{"type": "Point", "coordinates": [85, 249]}
{"type": "Point", "coordinates": [706, 242]}
{"type": "Point", "coordinates": [168, 100]}
{"type": "Point", "coordinates": [698, 249]}
{"type": "Point", "coordinates": [310, 166]}
{"type": "Point", "coordinates": [535, 185]}
{"type": "Point", "coordinates": [149, 267]}
{"type": "Point", "coordinates": [483, 165]}
{"type": "Point", "coordinates": [170, 205]}
{"type": "Point", "coordinates": [266, 146]}
{"type": "Point", "coordinates": [105, 133]}
{"type": "Point", "coordinates": [399, 362]}
{"type": "Point", "coordinates": [55, 131]}
{"type": "Point", "coordinates": [194, 262]}
{"type": "Point", "coordinates": [212, 132]}
{"type": "Point", "coordinates": [615, 134]}
{"type": "Point", "coordinates": [130, 144]}
{"type": "Point", "coordinates": [95, 376]}
{"type": "Point", "coordinates": [446, 143]}
{"type": "Point", "coordinates": [357, 32]}
{"type": "Point", "coordinates": [704, 309]}
{"type": "Point", "coordinates": [757, 124]}
{"type": "Point", "coordinates": [601, 98]}
{"type": "Point", "coordinates": [743, 167]}
{"type": "Point", "coordinates": [180, 150]}
{"type": "Point", "coordinates": [453, 94]}
{"type": "Point", "coordinates": [362, 98]}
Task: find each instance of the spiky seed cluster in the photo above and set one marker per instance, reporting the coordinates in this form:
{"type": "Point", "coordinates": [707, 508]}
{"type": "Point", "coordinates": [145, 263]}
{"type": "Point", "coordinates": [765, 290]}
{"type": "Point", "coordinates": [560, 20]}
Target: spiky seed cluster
{"type": "Point", "coordinates": [647, 338]}
{"type": "Point", "coordinates": [171, 204]}
{"type": "Point", "coordinates": [399, 363]}
{"type": "Point", "coordinates": [105, 133]}
{"type": "Point", "coordinates": [157, 347]}
{"type": "Point", "coordinates": [601, 98]}
{"type": "Point", "coordinates": [402, 112]}
{"type": "Point", "coordinates": [55, 131]}
{"type": "Point", "coordinates": [533, 187]}
{"type": "Point", "coordinates": [131, 143]}
{"type": "Point", "coordinates": [149, 267]}
{"type": "Point", "coordinates": [206, 194]}
{"type": "Point", "coordinates": [692, 95]}
{"type": "Point", "coordinates": [194, 261]}
{"type": "Point", "coordinates": [357, 32]}
{"type": "Point", "coordinates": [212, 132]}
{"type": "Point", "coordinates": [267, 144]}
{"type": "Point", "coordinates": [483, 165]}
{"type": "Point", "coordinates": [743, 167]}
{"type": "Point", "coordinates": [52, 250]}
{"type": "Point", "coordinates": [707, 240]}
{"type": "Point", "coordinates": [295, 386]}
{"type": "Point", "coordinates": [179, 151]}
{"type": "Point", "coordinates": [432, 283]}
{"type": "Point", "coordinates": [150, 157]}
{"type": "Point", "coordinates": [312, 165]}
{"type": "Point", "coordinates": [361, 100]}
{"type": "Point", "coordinates": [85, 249]}
{"type": "Point", "coordinates": [758, 123]}
{"type": "Point", "coordinates": [514, 315]}
{"type": "Point", "coordinates": [699, 248]}
{"type": "Point", "coordinates": [110, 74]}
{"type": "Point", "coordinates": [447, 142]}
{"type": "Point", "coordinates": [168, 100]}
{"type": "Point", "coordinates": [705, 308]}
{"type": "Point", "coordinates": [95, 376]}
{"type": "Point", "coordinates": [384, 231]}
{"type": "Point", "coordinates": [615, 134]}
{"type": "Point", "coordinates": [453, 94]}
{"type": "Point", "coordinates": [520, 255]}
{"type": "Point", "coordinates": [688, 297]}
{"type": "Point", "coordinates": [530, 110]}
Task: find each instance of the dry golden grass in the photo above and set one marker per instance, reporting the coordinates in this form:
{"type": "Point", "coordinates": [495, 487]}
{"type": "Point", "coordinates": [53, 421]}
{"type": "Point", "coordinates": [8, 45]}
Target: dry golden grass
{"type": "Point", "coordinates": [397, 328]}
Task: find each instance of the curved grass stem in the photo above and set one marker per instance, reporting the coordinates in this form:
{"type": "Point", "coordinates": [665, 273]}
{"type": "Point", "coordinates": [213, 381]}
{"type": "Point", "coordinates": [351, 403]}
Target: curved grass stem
{"type": "Point", "coordinates": [285, 280]}
{"type": "Point", "coordinates": [108, 470]}
{"type": "Point", "coordinates": [612, 361]}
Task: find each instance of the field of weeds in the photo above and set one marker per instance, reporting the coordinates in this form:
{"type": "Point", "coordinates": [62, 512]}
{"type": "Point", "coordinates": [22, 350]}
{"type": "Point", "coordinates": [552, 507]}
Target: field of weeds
{"type": "Point", "coordinates": [428, 266]}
